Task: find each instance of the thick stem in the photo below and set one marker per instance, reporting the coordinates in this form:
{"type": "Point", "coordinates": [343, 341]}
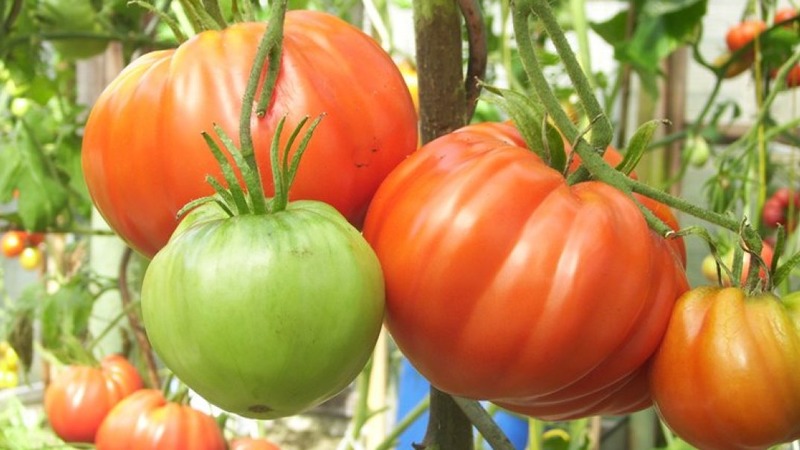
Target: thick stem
{"type": "Point", "coordinates": [133, 318]}
{"type": "Point", "coordinates": [488, 428]}
{"type": "Point", "coordinates": [478, 52]}
{"type": "Point", "coordinates": [437, 25]}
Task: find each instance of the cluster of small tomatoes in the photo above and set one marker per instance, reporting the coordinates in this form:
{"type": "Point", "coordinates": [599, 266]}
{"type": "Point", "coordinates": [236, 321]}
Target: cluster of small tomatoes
{"type": "Point", "coordinates": [23, 245]}
{"type": "Point", "coordinates": [9, 366]}
{"type": "Point", "coordinates": [107, 403]}
{"type": "Point", "coordinates": [745, 32]}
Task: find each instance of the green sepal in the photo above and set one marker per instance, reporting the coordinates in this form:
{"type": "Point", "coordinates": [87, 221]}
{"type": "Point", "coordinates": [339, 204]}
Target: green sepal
{"type": "Point", "coordinates": [638, 144]}
{"type": "Point", "coordinates": [530, 119]}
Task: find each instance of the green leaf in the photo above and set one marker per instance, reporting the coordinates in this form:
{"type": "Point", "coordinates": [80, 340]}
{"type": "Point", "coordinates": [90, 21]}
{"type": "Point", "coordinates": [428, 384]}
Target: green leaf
{"type": "Point", "coordinates": [42, 197]}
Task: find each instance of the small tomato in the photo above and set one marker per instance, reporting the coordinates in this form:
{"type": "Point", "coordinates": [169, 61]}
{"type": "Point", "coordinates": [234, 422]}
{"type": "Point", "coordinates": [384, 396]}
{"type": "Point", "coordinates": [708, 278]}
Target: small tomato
{"type": "Point", "coordinates": [709, 265]}
{"type": "Point", "coordinates": [252, 444]}
{"type": "Point", "coordinates": [743, 33]}
{"type": "Point", "coordinates": [725, 374]}
{"type": "Point", "coordinates": [13, 243]}
{"type": "Point", "coordinates": [30, 258]}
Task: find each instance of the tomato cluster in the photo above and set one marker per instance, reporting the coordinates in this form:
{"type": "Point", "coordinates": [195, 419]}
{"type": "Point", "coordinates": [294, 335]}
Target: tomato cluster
{"type": "Point", "coordinates": [25, 246]}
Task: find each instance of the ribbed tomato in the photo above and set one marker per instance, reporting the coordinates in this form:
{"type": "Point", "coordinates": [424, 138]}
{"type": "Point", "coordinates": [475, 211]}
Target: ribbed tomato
{"type": "Point", "coordinates": [504, 283]}
{"type": "Point", "coordinates": [148, 421]}
{"type": "Point", "coordinates": [725, 376]}
{"type": "Point", "coordinates": [144, 157]}
{"type": "Point", "coordinates": [78, 398]}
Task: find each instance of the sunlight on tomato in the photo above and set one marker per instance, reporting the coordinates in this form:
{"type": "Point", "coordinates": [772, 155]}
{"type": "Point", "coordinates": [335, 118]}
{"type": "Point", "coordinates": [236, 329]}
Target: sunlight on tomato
{"type": "Point", "coordinates": [31, 258]}
{"type": "Point", "coordinates": [13, 243]}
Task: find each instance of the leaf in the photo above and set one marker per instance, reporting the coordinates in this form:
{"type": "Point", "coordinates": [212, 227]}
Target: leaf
{"type": "Point", "coordinates": [638, 144]}
{"type": "Point", "coordinates": [41, 194]}
{"type": "Point", "coordinates": [66, 313]}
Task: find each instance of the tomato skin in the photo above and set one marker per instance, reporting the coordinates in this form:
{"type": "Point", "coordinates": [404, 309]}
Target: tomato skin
{"type": "Point", "coordinates": [777, 206]}
{"type": "Point", "coordinates": [268, 315]}
{"type": "Point", "coordinates": [489, 259]}
{"type": "Point", "coordinates": [147, 421]}
{"type": "Point", "coordinates": [31, 258]}
{"type": "Point", "coordinates": [252, 444]}
{"type": "Point", "coordinates": [77, 399]}
{"type": "Point", "coordinates": [709, 265]}
{"type": "Point", "coordinates": [158, 106]}
{"type": "Point", "coordinates": [725, 376]}
{"type": "Point", "coordinates": [743, 33]}
{"type": "Point", "coordinates": [13, 243]}
{"type": "Point", "coordinates": [785, 14]}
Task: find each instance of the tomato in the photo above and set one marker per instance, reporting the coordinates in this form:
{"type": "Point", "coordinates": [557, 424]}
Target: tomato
{"type": "Point", "coordinates": [72, 16]}
{"type": "Point", "coordinates": [31, 258]}
{"type": "Point", "coordinates": [725, 375]}
{"type": "Point", "coordinates": [158, 106]}
{"type": "Point", "coordinates": [252, 444]}
{"type": "Point", "coordinates": [785, 14]}
{"type": "Point", "coordinates": [778, 206]}
{"type": "Point", "coordinates": [709, 265]}
{"type": "Point", "coordinates": [78, 398]}
{"type": "Point", "coordinates": [13, 243]}
{"type": "Point", "coordinates": [147, 421]}
{"type": "Point", "coordinates": [506, 284]}
{"type": "Point", "coordinates": [265, 315]}
{"type": "Point", "coordinates": [743, 33]}
{"type": "Point", "coordinates": [738, 66]}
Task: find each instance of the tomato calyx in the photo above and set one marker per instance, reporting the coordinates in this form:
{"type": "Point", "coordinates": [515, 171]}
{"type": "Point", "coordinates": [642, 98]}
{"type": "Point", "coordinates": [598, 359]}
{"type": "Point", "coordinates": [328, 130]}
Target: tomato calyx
{"type": "Point", "coordinates": [234, 199]}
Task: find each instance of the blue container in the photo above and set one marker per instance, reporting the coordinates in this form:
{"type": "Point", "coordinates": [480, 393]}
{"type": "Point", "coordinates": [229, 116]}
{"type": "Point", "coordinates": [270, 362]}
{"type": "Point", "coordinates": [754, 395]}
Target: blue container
{"type": "Point", "coordinates": [413, 387]}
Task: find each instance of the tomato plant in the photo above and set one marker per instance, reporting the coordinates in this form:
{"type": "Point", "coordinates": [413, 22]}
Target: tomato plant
{"type": "Point", "coordinates": [491, 259]}
{"type": "Point", "coordinates": [741, 34]}
{"type": "Point", "coordinates": [13, 243]}
{"type": "Point", "coordinates": [146, 420]}
{"type": "Point", "coordinates": [158, 106]}
{"type": "Point", "coordinates": [252, 444]}
{"type": "Point", "coordinates": [72, 16]}
{"type": "Point", "coordinates": [725, 375]}
{"type": "Point", "coordinates": [785, 14]}
{"type": "Point", "coordinates": [78, 398]}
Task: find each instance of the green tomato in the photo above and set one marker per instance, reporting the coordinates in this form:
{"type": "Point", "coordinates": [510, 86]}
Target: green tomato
{"type": "Point", "coordinates": [268, 315]}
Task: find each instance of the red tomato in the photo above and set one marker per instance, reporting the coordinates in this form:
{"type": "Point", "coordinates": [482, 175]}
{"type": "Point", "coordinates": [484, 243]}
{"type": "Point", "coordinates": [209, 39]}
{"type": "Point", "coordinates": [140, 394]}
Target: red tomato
{"type": "Point", "coordinates": [144, 157]}
{"type": "Point", "coordinates": [725, 375]}
{"type": "Point", "coordinates": [13, 242]}
{"type": "Point", "coordinates": [504, 283]}
{"type": "Point", "coordinates": [743, 33]}
{"type": "Point", "coordinates": [78, 398]}
{"type": "Point", "coordinates": [147, 421]}
{"type": "Point", "coordinates": [252, 444]}
{"type": "Point", "coordinates": [785, 14]}
{"type": "Point", "coordinates": [777, 206]}
{"type": "Point", "coordinates": [35, 239]}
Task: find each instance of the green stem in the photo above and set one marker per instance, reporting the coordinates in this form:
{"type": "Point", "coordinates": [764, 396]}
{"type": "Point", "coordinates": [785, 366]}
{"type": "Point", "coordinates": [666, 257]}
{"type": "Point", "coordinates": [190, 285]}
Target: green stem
{"type": "Point", "coordinates": [408, 420]}
{"type": "Point", "coordinates": [487, 427]}
{"type": "Point", "coordinates": [602, 131]}
{"type": "Point", "coordinates": [581, 27]}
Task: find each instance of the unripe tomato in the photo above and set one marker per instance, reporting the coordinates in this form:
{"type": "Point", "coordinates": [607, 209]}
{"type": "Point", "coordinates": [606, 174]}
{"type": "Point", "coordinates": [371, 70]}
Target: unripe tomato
{"type": "Point", "coordinates": [709, 265]}
{"type": "Point", "coordinates": [725, 375]}
{"type": "Point", "coordinates": [265, 315]}
{"type": "Point", "coordinates": [743, 33]}
{"type": "Point", "coordinates": [146, 420]}
{"type": "Point", "coordinates": [78, 398]}
{"type": "Point", "coordinates": [13, 242]}
{"type": "Point", "coordinates": [30, 258]}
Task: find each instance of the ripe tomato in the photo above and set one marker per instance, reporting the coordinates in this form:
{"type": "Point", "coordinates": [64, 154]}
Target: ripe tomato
{"type": "Point", "coordinates": [78, 398]}
{"type": "Point", "coordinates": [265, 315]}
{"type": "Point", "coordinates": [252, 444]}
{"type": "Point", "coordinates": [31, 258]}
{"type": "Point", "coordinates": [777, 206]}
{"type": "Point", "coordinates": [743, 33]}
{"type": "Point", "coordinates": [504, 283]}
{"type": "Point", "coordinates": [158, 106]}
{"type": "Point", "coordinates": [725, 375]}
{"type": "Point", "coordinates": [785, 14]}
{"type": "Point", "coordinates": [13, 242]}
{"type": "Point", "coordinates": [145, 420]}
